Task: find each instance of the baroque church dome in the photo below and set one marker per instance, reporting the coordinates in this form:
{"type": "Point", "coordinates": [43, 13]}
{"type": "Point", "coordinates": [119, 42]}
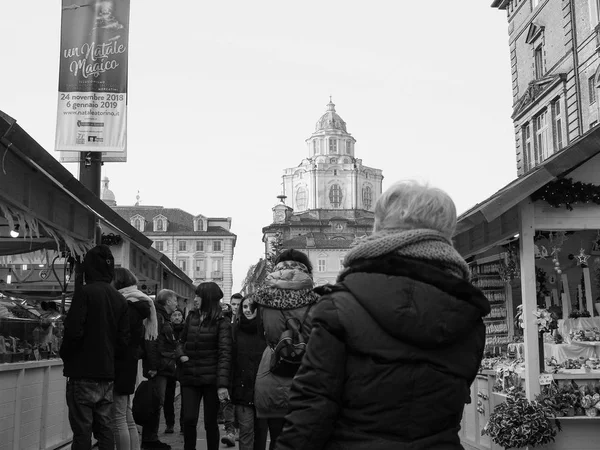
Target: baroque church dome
{"type": "Point", "coordinates": [107, 195]}
{"type": "Point", "coordinates": [330, 120]}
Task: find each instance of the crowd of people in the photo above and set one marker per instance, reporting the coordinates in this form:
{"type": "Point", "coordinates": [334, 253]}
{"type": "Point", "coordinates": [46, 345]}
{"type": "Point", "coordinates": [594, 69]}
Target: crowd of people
{"type": "Point", "coordinates": [383, 359]}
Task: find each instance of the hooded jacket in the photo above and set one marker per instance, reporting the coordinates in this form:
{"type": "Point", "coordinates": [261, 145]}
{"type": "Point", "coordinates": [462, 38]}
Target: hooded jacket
{"type": "Point", "coordinates": [96, 329]}
{"type": "Point", "coordinates": [126, 367]}
{"type": "Point", "coordinates": [394, 349]}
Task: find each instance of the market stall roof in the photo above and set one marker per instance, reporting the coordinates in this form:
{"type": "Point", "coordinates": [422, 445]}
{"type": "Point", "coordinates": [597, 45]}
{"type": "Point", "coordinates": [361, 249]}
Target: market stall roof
{"type": "Point", "coordinates": [18, 148]}
{"type": "Point", "coordinates": [559, 164]}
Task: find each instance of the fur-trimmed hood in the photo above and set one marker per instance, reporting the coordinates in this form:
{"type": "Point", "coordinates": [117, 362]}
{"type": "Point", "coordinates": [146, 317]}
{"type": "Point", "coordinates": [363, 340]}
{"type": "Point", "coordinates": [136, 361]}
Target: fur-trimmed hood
{"type": "Point", "coordinates": [289, 286]}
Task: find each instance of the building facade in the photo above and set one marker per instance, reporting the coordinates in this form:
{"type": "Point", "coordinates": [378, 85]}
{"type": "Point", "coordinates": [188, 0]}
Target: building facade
{"type": "Point", "coordinates": [327, 201]}
{"type": "Point", "coordinates": [202, 247]}
{"type": "Point", "coordinates": [554, 48]}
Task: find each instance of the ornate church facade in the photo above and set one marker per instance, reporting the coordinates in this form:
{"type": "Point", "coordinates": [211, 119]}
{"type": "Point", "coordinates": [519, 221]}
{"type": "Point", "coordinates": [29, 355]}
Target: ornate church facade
{"type": "Point", "coordinates": [327, 200]}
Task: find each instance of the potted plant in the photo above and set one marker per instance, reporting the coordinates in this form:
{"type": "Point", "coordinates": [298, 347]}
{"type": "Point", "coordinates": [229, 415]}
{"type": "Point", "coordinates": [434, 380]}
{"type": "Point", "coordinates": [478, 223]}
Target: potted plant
{"type": "Point", "coordinates": [519, 423]}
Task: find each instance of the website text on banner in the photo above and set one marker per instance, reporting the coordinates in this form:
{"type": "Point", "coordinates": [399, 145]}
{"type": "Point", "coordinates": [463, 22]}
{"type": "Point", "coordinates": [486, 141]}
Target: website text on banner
{"type": "Point", "coordinates": [92, 98]}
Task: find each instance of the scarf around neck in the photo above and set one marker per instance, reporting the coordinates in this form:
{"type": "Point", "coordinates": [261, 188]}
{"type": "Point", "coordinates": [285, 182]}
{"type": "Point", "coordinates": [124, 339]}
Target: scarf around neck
{"type": "Point", "coordinates": [423, 244]}
{"type": "Point", "coordinates": [133, 294]}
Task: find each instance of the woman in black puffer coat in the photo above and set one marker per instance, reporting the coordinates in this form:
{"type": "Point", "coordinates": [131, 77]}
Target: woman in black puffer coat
{"type": "Point", "coordinates": [204, 352]}
{"type": "Point", "coordinates": [397, 342]}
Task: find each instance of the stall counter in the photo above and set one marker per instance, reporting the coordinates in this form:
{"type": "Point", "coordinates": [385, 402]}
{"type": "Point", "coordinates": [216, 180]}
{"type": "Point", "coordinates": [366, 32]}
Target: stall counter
{"type": "Point", "coordinates": [578, 433]}
{"type": "Point", "coordinates": [33, 410]}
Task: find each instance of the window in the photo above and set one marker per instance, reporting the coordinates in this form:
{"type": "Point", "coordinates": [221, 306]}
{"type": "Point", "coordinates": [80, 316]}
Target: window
{"type": "Point", "coordinates": [592, 89]}
{"type": "Point", "coordinates": [333, 160]}
{"type": "Point", "coordinates": [542, 150]}
{"type": "Point", "coordinates": [322, 265]}
{"type": "Point", "coordinates": [182, 246]}
{"type": "Point", "coordinates": [301, 199]}
{"type": "Point", "coordinates": [217, 246]}
{"type": "Point", "coordinates": [348, 147]}
{"type": "Point", "coordinates": [199, 246]}
{"type": "Point", "coordinates": [334, 172]}
{"type": "Point", "coordinates": [159, 225]}
{"type": "Point", "coordinates": [367, 197]}
{"type": "Point", "coordinates": [539, 62]}
{"type": "Point", "coordinates": [527, 147]}
{"type": "Point", "coordinates": [335, 196]}
{"type": "Point", "coordinates": [332, 145]}
{"type": "Point", "coordinates": [594, 6]}
{"type": "Point", "coordinates": [138, 224]}
{"type": "Point", "coordinates": [200, 225]}
{"type": "Point", "coordinates": [338, 227]}
{"type": "Point", "coordinates": [182, 263]}
{"type": "Point", "coordinates": [315, 146]}
{"type": "Point", "coordinates": [159, 245]}
{"type": "Point", "coordinates": [557, 138]}
{"type": "Point", "coordinates": [199, 267]}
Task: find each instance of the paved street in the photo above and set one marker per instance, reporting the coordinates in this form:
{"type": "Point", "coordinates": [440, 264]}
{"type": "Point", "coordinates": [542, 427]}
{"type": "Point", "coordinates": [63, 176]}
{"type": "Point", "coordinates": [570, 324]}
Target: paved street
{"type": "Point", "coordinates": [175, 440]}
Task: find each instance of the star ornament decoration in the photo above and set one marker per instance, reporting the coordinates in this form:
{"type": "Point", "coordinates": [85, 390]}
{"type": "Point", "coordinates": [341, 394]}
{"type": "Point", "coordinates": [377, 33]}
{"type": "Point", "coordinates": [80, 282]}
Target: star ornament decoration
{"type": "Point", "coordinates": [582, 258]}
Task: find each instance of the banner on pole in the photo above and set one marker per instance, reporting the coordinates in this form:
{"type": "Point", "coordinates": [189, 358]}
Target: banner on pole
{"type": "Point", "coordinates": [92, 97]}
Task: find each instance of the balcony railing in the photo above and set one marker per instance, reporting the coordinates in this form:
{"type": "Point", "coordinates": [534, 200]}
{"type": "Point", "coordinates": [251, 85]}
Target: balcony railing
{"type": "Point", "coordinates": [216, 274]}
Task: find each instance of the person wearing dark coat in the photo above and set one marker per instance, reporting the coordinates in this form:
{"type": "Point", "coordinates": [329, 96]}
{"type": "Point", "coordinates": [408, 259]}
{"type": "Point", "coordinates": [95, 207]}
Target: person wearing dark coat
{"type": "Point", "coordinates": [397, 342]}
{"type": "Point", "coordinates": [159, 364]}
{"type": "Point", "coordinates": [204, 353]}
{"type": "Point", "coordinates": [96, 332]}
{"type": "Point", "coordinates": [248, 347]}
{"type": "Point", "coordinates": [287, 294]}
{"type": "Point", "coordinates": [142, 325]}
{"type": "Point", "coordinates": [169, 406]}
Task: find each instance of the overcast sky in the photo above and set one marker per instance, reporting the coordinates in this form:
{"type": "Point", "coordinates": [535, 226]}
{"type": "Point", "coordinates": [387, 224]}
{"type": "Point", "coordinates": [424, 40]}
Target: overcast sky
{"type": "Point", "coordinates": [222, 95]}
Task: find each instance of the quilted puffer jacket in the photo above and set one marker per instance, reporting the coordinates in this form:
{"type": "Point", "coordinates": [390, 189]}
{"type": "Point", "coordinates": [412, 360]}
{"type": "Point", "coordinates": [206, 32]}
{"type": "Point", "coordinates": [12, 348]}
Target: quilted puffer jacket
{"type": "Point", "coordinates": [209, 348]}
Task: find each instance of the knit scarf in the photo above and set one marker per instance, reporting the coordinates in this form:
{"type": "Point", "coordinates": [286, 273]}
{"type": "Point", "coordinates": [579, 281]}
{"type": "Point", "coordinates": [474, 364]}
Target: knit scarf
{"type": "Point", "coordinates": [422, 244]}
{"type": "Point", "coordinates": [133, 294]}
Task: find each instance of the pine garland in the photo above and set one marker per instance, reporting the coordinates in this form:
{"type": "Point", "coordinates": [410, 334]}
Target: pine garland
{"type": "Point", "coordinates": [564, 191]}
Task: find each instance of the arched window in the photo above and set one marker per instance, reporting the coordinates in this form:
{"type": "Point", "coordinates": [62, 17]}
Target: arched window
{"type": "Point", "coordinates": [200, 225]}
{"type": "Point", "coordinates": [138, 224]}
{"type": "Point", "coordinates": [301, 199]}
{"type": "Point", "coordinates": [159, 225]}
{"type": "Point", "coordinates": [335, 196]}
{"type": "Point", "coordinates": [367, 197]}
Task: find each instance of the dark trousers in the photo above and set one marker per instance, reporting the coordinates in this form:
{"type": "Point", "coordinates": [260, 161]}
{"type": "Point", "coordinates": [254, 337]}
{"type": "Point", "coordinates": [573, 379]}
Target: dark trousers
{"type": "Point", "coordinates": [191, 397]}
{"type": "Point", "coordinates": [169, 406]}
{"type": "Point", "coordinates": [229, 416]}
{"type": "Point", "coordinates": [272, 427]}
{"type": "Point", "coordinates": [150, 428]}
{"type": "Point", "coordinates": [246, 416]}
{"type": "Point", "coordinates": [90, 404]}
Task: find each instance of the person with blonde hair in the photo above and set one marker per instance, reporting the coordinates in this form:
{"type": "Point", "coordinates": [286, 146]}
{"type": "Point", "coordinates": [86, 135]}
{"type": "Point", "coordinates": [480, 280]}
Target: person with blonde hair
{"type": "Point", "coordinates": [397, 341]}
{"type": "Point", "coordinates": [160, 364]}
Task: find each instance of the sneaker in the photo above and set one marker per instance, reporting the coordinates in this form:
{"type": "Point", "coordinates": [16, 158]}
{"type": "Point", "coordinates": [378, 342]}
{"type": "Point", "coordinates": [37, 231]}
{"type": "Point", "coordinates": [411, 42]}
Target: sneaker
{"type": "Point", "coordinates": [229, 439]}
{"type": "Point", "coordinates": [169, 429]}
{"type": "Point", "coordinates": [155, 445]}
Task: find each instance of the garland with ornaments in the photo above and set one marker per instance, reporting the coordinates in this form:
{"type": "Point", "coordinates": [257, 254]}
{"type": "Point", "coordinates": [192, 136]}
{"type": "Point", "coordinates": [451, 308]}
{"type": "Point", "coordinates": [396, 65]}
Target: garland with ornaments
{"type": "Point", "coordinates": [564, 191]}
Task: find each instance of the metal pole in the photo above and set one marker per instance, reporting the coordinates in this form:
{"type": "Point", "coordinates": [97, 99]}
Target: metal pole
{"type": "Point", "coordinates": [90, 171]}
